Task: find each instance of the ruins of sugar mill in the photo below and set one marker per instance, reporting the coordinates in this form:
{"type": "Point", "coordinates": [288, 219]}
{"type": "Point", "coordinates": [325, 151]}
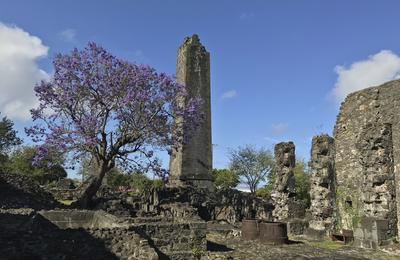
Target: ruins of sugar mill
{"type": "Point", "coordinates": [355, 196]}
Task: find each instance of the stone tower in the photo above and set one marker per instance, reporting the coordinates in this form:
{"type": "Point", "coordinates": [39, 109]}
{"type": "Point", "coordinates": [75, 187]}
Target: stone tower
{"type": "Point", "coordinates": [192, 162]}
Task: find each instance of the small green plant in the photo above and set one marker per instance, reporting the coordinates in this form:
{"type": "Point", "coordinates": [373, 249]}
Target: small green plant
{"type": "Point", "coordinates": [327, 244]}
{"type": "Point", "coordinates": [66, 202]}
{"type": "Point", "coordinates": [198, 251]}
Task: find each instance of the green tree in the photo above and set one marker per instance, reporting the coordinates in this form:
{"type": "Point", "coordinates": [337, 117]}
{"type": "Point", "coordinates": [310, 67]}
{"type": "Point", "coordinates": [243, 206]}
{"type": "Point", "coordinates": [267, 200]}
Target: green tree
{"type": "Point", "coordinates": [263, 192]}
{"type": "Point", "coordinates": [117, 178]}
{"type": "Point", "coordinates": [302, 183]}
{"type": "Point", "coordinates": [113, 110]}
{"type": "Point", "coordinates": [143, 184]}
{"type": "Point", "coordinates": [302, 179]}
{"type": "Point", "coordinates": [8, 140]}
{"type": "Point", "coordinates": [46, 171]}
{"type": "Point", "coordinates": [251, 165]}
{"type": "Point", "coordinates": [225, 178]}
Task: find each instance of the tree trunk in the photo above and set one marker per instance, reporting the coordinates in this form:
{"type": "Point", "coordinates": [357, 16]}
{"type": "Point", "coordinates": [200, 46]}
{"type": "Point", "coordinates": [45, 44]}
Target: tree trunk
{"type": "Point", "coordinates": [93, 185]}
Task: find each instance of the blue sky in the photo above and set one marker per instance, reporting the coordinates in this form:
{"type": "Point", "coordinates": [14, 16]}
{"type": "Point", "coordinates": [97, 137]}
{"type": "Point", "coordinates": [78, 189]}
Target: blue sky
{"type": "Point", "coordinates": [274, 64]}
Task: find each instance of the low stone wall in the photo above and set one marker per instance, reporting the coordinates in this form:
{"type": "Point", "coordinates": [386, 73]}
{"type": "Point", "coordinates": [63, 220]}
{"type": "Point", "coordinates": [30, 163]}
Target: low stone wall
{"type": "Point", "coordinates": [28, 235]}
{"type": "Point", "coordinates": [169, 237]}
{"type": "Point", "coordinates": [297, 227]}
{"type": "Point", "coordinates": [233, 206]}
{"type": "Point", "coordinates": [372, 233]}
{"type": "Point", "coordinates": [176, 240]}
{"type": "Point", "coordinates": [19, 191]}
{"type": "Point", "coordinates": [125, 243]}
{"type": "Point", "coordinates": [229, 206]}
{"type": "Point", "coordinates": [82, 219]}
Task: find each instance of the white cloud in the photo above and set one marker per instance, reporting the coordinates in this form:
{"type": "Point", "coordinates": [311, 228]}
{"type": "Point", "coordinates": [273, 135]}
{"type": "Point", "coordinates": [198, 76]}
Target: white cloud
{"type": "Point", "coordinates": [68, 35]}
{"type": "Point", "coordinates": [375, 70]}
{"type": "Point", "coordinates": [229, 94]}
{"type": "Point", "coordinates": [19, 72]}
{"type": "Point", "coordinates": [246, 16]}
{"type": "Point", "coordinates": [279, 129]}
{"type": "Point", "coordinates": [271, 140]}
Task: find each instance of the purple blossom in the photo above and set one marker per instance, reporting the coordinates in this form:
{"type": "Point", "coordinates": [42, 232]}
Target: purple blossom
{"type": "Point", "coordinates": [110, 108]}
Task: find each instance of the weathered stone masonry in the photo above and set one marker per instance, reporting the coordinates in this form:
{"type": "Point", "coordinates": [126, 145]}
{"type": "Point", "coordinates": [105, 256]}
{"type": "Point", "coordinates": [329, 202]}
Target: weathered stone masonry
{"type": "Point", "coordinates": [367, 159]}
{"type": "Point", "coordinates": [323, 182]}
{"type": "Point", "coordinates": [284, 187]}
{"type": "Point", "coordinates": [192, 163]}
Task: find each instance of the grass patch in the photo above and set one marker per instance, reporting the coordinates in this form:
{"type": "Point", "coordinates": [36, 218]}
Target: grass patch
{"type": "Point", "coordinates": [327, 244]}
{"type": "Point", "coordinates": [66, 202]}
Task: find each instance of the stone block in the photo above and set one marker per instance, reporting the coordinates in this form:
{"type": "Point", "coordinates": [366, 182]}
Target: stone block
{"type": "Point", "coordinates": [372, 233]}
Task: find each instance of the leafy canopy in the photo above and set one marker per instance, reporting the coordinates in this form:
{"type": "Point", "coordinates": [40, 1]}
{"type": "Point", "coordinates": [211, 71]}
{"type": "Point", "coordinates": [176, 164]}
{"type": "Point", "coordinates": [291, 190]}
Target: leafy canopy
{"type": "Point", "coordinates": [302, 183]}
{"type": "Point", "coordinates": [48, 170]}
{"type": "Point", "coordinates": [251, 165]}
{"type": "Point", "coordinates": [8, 139]}
{"type": "Point", "coordinates": [225, 178]}
{"type": "Point", "coordinates": [110, 108]}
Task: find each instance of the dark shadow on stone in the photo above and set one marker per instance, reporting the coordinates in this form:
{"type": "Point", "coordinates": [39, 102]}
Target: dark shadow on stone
{"type": "Point", "coordinates": [142, 233]}
{"type": "Point", "coordinates": [215, 247]}
{"type": "Point", "coordinates": [292, 242]}
{"type": "Point", "coordinates": [31, 236]}
{"type": "Point", "coordinates": [19, 191]}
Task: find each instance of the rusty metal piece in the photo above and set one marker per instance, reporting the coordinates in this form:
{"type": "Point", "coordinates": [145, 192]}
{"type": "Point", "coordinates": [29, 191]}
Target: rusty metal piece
{"type": "Point", "coordinates": [250, 229]}
{"type": "Point", "coordinates": [273, 232]}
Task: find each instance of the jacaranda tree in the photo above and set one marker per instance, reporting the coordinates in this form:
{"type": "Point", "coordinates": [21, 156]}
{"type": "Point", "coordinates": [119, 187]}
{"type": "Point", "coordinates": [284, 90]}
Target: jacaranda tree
{"type": "Point", "coordinates": [111, 109]}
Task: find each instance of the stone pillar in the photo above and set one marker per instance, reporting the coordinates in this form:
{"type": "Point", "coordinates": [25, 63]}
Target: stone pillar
{"type": "Point", "coordinates": [323, 184]}
{"type": "Point", "coordinates": [192, 162]}
{"type": "Point", "coordinates": [284, 187]}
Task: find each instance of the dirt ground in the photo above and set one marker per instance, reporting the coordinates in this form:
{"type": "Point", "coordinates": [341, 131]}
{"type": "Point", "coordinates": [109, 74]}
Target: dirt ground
{"type": "Point", "coordinates": [224, 246]}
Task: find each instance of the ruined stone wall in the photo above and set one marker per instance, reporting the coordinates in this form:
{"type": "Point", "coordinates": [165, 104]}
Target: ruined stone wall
{"type": "Point", "coordinates": [378, 187]}
{"type": "Point", "coordinates": [229, 206]}
{"type": "Point", "coordinates": [17, 191]}
{"type": "Point", "coordinates": [177, 240]}
{"type": "Point", "coordinates": [322, 191]}
{"type": "Point", "coordinates": [28, 235]}
{"type": "Point", "coordinates": [368, 155]}
{"type": "Point", "coordinates": [284, 187]}
{"type": "Point", "coordinates": [233, 206]}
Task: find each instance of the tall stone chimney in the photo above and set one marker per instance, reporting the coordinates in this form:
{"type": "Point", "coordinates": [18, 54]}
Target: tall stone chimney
{"type": "Point", "coordinates": [192, 162]}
